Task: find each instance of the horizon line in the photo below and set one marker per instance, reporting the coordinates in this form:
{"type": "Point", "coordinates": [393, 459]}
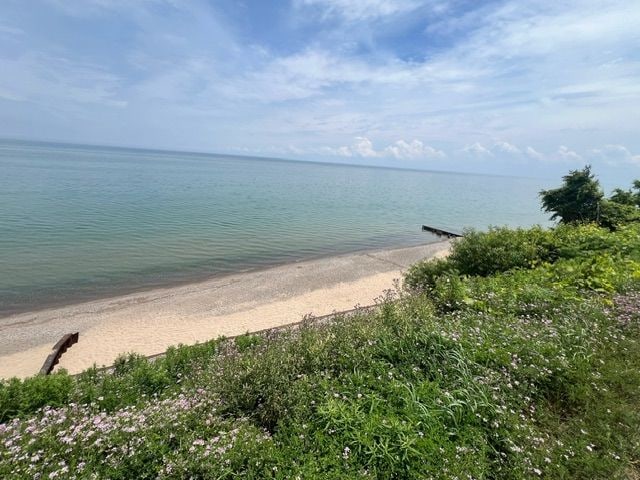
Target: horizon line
{"type": "Point", "coordinates": [257, 157]}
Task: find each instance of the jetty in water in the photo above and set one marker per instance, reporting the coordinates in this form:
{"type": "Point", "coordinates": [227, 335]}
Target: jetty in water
{"type": "Point", "coordinates": [440, 232]}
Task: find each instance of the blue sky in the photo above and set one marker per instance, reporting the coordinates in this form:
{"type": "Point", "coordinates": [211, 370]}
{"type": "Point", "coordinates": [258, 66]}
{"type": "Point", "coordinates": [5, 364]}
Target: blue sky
{"type": "Point", "coordinates": [525, 87]}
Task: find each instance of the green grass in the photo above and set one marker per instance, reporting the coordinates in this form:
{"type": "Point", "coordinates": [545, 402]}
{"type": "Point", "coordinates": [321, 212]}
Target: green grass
{"type": "Point", "coordinates": [527, 367]}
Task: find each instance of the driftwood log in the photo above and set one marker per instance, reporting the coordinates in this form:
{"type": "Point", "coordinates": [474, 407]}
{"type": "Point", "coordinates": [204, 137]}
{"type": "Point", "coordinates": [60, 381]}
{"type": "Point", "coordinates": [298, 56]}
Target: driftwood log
{"type": "Point", "coordinates": [58, 349]}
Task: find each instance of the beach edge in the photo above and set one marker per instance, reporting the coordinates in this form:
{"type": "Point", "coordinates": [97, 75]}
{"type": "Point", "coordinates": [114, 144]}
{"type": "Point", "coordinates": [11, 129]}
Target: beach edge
{"type": "Point", "coordinates": [149, 322]}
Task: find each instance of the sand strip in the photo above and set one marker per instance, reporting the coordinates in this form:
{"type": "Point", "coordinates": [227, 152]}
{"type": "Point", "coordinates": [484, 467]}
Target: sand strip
{"type": "Point", "coordinates": [149, 322]}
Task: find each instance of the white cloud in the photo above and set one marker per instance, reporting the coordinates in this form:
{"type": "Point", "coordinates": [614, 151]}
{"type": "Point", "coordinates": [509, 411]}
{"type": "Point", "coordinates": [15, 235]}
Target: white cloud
{"type": "Point", "coordinates": [616, 155]}
{"type": "Point", "coordinates": [564, 153]}
{"type": "Point", "coordinates": [414, 149]}
{"type": "Point", "coordinates": [343, 151]}
{"type": "Point", "coordinates": [55, 81]}
{"type": "Point", "coordinates": [360, 9]}
{"type": "Point", "coordinates": [506, 148]}
{"type": "Point", "coordinates": [501, 149]}
{"type": "Point", "coordinates": [533, 153]}
{"type": "Point", "coordinates": [400, 150]}
{"type": "Point", "coordinates": [318, 72]}
{"type": "Point", "coordinates": [477, 149]}
{"type": "Point", "coordinates": [363, 147]}
{"type": "Point", "coordinates": [526, 29]}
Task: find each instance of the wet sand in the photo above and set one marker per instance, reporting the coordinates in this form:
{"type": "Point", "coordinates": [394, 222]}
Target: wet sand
{"type": "Point", "coordinates": [149, 322]}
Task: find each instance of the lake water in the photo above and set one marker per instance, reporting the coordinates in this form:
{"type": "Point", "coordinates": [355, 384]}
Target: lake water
{"type": "Point", "coordinates": [80, 222]}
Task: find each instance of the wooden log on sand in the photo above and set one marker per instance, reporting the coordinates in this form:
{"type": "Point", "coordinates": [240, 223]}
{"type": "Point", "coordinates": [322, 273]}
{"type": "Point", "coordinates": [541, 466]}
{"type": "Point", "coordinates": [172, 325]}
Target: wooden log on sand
{"type": "Point", "coordinates": [58, 349]}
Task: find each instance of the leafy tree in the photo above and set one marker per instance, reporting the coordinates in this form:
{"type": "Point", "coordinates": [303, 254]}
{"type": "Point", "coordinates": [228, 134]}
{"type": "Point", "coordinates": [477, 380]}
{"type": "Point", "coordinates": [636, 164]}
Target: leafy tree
{"type": "Point", "coordinates": [615, 214]}
{"type": "Point", "coordinates": [577, 200]}
{"type": "Point", "coordinates": [623, 197]}
{"type": "Point", "coordinates": [627, 197]}
{"type": "Point", "coordinates": [636, 186]}
{"type": "Point", "coordinates": [623, 207]}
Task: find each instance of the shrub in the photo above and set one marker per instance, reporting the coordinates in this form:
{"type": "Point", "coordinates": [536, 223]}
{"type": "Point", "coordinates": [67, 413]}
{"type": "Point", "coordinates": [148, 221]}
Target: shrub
{"type": "Point", "coordinates": [423, 275]}
{"type": "Point", "coordinates": [24, 397]}
{"type": "Point", "coordinates": [499, 250]}
{"type": "Point", "coordinates": [589, 239]}
{"type": "Point", "coordinates": [484, 253]}
{"type": "Point", "coordinates": [502, 250]}
{"type": "Point", "coordinates": [245, 342]}
{"type": "Point", "coordinates": [449, 293]}
{"type": "Point", "coordinates": [614, 215]}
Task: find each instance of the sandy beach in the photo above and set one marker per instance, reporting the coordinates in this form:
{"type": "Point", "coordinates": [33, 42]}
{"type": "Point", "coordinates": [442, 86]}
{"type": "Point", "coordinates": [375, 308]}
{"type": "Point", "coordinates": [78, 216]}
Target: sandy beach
{"type": "Point", "coordinates": [149, 322]}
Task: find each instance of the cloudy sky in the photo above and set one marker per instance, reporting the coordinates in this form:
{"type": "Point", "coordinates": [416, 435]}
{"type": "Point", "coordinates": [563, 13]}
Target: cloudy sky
{"type": "Point", "coordinates": [504, 86]}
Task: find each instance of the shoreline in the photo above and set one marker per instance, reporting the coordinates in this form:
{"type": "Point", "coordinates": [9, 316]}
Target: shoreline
{"type": "Point", "coordinates": [178, 280]}
{"type": "Point", "coordinates": [148, 322]}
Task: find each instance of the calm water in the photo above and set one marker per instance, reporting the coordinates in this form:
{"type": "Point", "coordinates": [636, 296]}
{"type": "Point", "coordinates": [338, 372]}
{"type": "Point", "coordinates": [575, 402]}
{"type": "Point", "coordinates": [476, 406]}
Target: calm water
{"type": "Point", "coordinates": [84, 222]}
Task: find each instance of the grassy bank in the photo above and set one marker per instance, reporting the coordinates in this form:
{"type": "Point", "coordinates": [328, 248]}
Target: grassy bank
{"type": "Point", "coordinates": [517, 357]}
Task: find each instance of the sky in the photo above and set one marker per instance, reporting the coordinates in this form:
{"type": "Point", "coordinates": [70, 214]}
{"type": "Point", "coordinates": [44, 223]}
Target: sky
{"type": "Point", "coordinates": [499, 86]}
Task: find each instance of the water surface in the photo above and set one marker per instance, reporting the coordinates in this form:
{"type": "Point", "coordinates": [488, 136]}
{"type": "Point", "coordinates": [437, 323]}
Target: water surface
{"type": "Point", "coordinates": [79, 222]}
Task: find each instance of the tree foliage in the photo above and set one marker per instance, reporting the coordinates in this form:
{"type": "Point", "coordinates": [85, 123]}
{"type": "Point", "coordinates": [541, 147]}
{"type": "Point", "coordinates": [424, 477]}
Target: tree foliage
{"type": "Point", "coordinates": [627, 197]}
{"type": "Point", "coordinates": [624, 197]}
{"type": "Point", "coordinates": [614, 214]}
{"type": "Point", "coordinates": [577, 200]}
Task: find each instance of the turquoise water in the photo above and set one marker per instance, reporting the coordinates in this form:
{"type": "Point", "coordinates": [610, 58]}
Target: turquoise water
{"type": "Point", "coordinates": [82, 222]}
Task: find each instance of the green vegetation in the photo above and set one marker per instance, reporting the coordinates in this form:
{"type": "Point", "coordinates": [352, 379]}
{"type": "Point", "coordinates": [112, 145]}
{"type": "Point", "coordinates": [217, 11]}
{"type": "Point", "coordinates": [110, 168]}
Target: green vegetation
{"type": "Point", "coordinates": [577, 200]}
{"type": "Point", "coordinates": [580, 199]}
{"type": "Point", "coordinates": [516, 357]}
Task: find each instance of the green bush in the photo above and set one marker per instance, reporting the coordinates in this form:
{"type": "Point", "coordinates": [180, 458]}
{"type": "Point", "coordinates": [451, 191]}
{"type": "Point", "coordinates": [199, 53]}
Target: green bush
{"type": "Point", "coordinates": [25, 397]}
{"type": "Point", "coordinates": [423, 275]}
{"type": "Point", "coordinates": [449, 293]}
{"type": "Point", "coordinates": [499, 250]}
{"type": "Point", "coordinates": [614, 215]}
{"type": "Point", "coordinates": [502, 249]}
{"type": "Point", "coordinates": [484, 253]}
{"type": "Point", "coordinates": [589, 239]}
{"type": "Point", "coordinates": [245, 342]}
